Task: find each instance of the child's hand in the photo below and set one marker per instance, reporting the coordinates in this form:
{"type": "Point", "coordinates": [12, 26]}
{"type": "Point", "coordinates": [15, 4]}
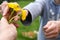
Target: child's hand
{"type": "Point", "coordinates": [51, 29]}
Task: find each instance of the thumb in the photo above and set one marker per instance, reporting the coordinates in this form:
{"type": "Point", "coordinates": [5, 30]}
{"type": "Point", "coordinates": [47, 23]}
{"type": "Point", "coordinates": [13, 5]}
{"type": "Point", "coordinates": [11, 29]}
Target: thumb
{"type": "Point", "coordinates": [47, 25]}
{"type": "Point", "coordinates": [4, 22]}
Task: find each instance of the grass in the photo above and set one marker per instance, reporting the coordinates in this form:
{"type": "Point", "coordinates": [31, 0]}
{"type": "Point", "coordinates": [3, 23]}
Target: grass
{"type": "Point", "coordinates": [34, 25]}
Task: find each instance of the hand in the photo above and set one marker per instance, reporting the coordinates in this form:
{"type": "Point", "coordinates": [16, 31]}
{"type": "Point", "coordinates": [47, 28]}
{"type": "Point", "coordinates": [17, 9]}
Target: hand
{"type": "Point", "coordinates": [6, 11]}
{"type": "Point", "coordinates": [51, 29]}
{"type": "Point", "coordinates": [7, 31]}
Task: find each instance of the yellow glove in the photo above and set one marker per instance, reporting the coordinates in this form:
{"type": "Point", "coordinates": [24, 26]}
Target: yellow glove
{"type": "Point", "coordinates": [15, 8]}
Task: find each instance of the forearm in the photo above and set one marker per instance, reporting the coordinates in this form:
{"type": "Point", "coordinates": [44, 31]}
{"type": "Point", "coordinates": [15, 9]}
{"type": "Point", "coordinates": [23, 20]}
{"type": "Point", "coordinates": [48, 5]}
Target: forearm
{"type": "Point", "coordinates": [34, 10]}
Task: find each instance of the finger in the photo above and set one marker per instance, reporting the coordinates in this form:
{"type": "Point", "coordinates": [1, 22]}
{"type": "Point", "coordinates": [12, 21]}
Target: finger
{"type": "Point", "coordinates": [13, 29]}
{"type": "Point", "coordinates": [50, 28]}
{"type": "Point", "coordinates": [4, 2]}
{"type": "Point", "coordinates": [3, 24]}
{"type": "Point", "coordinates": [17, 25]}
{"type": "Point", "coordinates": [52, 36]}
{"type": "Point", "coordinates": [16, 18]}
{"type": "Point", "coordinates": [5, 10]}
{"type": "Point", "coordinates": [3, 5]}
{"type": "Point", "coordinates": [50, 33]}
{"type": "Point", "coordinates": [47, 25]}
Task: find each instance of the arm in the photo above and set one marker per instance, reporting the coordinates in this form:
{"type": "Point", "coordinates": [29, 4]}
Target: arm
{"type": "Point", "coordinates": [34, 9]}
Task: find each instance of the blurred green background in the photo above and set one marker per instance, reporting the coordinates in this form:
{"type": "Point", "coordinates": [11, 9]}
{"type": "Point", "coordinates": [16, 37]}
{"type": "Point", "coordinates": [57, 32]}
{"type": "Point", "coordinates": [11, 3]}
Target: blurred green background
{"type": "Point", "coordinates": [34, 25]}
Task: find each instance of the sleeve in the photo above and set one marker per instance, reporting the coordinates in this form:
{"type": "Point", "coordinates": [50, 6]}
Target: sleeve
{"type": "Point", "coordinates": [34, 9]}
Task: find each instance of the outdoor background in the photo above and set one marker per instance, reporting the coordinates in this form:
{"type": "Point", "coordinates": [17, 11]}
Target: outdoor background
{"type": "Point", "coordinates": [31, 28]}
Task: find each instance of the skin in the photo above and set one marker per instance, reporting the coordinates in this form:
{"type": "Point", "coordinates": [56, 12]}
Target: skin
{"type": "Point", "coordinates": [57, 1]}
{"type": "Point", "coordinates": [7, 31]}
{"type": "Point", "coordinates": [51, 29]}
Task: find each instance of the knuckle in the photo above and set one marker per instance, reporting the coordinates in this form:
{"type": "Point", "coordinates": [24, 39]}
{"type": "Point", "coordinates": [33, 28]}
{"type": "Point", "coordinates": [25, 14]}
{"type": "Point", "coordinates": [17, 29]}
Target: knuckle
{"type": "Point", "coordinates": [49, 22]}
